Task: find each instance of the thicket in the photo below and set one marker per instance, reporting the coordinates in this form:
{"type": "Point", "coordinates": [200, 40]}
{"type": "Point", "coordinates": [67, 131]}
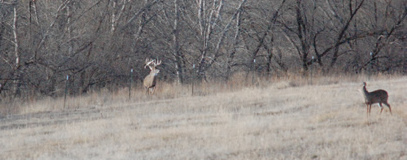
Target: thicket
{"type": "Point", "coordinates": [96, 43]}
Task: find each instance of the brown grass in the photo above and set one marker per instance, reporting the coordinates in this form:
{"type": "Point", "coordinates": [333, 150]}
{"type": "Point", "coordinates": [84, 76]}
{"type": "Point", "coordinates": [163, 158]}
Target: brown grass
{"type": "Point", "coordinates": [285, 118]}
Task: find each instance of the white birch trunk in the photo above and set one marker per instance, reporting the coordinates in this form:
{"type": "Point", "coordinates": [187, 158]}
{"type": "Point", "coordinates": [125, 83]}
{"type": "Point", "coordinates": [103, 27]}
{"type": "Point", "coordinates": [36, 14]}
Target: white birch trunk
{"type": "Point", "coordinates": [16, 78]}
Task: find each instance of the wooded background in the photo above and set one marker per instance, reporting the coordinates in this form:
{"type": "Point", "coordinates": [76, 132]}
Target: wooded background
{"type": "Point", "coordinates": [97, 42]}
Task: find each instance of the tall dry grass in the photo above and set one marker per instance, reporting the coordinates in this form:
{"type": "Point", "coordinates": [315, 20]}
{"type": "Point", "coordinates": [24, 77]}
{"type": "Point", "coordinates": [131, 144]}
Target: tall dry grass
{"type": "Point", "coordinates": [166, 90]}
{"type": "Point", "coordinates": [281, 118]}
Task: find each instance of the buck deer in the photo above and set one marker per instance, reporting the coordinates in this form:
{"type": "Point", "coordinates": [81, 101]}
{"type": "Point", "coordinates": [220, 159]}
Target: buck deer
{"type": "Point", "coordinates": [378, 96]}
{"type": "Point", "coordinates": [150, 80]}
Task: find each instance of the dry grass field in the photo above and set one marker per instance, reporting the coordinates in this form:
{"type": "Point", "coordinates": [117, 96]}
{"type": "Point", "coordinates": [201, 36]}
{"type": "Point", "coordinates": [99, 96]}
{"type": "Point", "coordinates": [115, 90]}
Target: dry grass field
{"type": "Point", "coordinates": [282, 119]}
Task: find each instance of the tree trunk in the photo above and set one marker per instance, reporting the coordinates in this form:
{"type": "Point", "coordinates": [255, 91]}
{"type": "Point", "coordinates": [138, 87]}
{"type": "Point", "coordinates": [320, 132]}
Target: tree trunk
{"type": "Point", "coordinates": [16, 78]}
{"type": "Point", "coordinates": [236, 42]}
{"type": "Point", "coordinates": [177, 53]}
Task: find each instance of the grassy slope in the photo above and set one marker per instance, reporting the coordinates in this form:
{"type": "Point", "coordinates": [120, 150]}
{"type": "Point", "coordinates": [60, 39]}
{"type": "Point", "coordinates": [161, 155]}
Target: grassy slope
{"type": "Point", "coordinates": [280, 121]}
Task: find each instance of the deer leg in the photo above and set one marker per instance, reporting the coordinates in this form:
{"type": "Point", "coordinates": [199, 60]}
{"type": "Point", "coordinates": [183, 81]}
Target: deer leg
{"type": "Point", "coordinates": [388, 105]}
{"type": "Point", "coordinates": [390, 110]}
{"type": "Point", "coordinates": [381, 107]}
{"type": "Point", "coordinates": [368, 109]}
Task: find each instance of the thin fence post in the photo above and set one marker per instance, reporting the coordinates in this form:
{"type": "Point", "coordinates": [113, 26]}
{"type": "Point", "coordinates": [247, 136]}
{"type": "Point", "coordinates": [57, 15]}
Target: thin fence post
{"type": "Point", "coordinates": [66, 89]}
{"type": "Point", "coordinates": [312, 62]}
{"type": "Point", "coordinates": [370, 71]}
{"type": "Point", "coordinates": [253, 70]}
{"type": "Point", "coordinates": [193, 79]}
{"type": "Point", "coordinates": [404, 68]}
{"type": "Point", "coordinates": [131, 82]}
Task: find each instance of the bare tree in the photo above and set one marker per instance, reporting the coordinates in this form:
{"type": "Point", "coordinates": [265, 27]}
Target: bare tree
{"type": "Point", "coordinates": [207, 19]}
{"type": "Point", "coordinates": [179, 58]}
{"type": "Point", "coordinates": [96, 42]}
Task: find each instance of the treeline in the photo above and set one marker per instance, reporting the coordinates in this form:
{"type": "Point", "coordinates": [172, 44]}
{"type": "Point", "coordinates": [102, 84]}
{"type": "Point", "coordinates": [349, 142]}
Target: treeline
{"type": "Point", "coordinates": [97, 42]}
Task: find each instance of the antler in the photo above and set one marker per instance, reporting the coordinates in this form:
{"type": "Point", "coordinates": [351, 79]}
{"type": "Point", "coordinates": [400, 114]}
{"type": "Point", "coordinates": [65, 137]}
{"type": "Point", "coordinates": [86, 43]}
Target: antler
{"type": "Point", "coordinates": [158, 62]}
{"type": "Point", "coordinates": [154, 63]}
{"type": "Point", "coordinates": [148, 62]}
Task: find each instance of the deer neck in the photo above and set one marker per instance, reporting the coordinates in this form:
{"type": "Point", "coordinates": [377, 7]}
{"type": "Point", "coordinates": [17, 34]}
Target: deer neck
{"type": "Point", "coordinates": [365, 91]}
{"type": "Point", "coordinates": [154, 72]}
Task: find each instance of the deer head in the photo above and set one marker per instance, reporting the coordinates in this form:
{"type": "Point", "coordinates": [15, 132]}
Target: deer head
{"type": "Point", "coordinates": [152, 63]}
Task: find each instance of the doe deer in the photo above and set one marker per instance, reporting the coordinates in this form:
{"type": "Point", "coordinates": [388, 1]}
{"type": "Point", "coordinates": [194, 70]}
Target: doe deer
{"type": "Point", "coordinates": [150, 80]}
{"type": "Point", "coordinates": [378, 96]}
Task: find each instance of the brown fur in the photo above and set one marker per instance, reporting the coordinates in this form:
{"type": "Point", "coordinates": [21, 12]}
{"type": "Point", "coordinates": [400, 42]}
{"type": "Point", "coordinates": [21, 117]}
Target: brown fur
{"type": "Point", "coordinates": [378, 96]}
{"type": "Point", "coordinates": [151, 79]}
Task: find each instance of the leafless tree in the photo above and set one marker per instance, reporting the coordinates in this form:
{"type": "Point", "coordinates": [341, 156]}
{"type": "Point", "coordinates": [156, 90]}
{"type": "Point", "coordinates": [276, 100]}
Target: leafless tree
{"type": "Point", "coordinates": [96, 42]}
